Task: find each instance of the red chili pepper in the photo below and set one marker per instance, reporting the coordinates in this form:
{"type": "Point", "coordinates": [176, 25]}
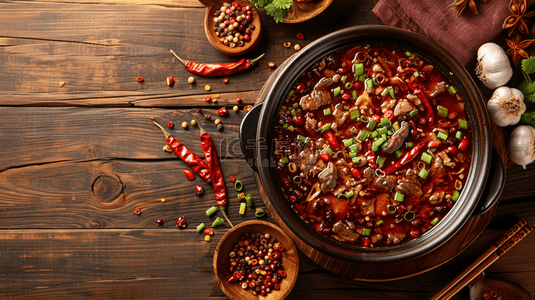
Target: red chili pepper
{"type": "Point", "coordinates": [139, 79]}
{"type": "Point", "coordinates": [207, 98]}
{"type": "Point", "coordinates": [429, 110]}
{"type": "Point", "coordinates": [189, 174]}
{"type": "Point", "coordinates": [208, 231]}
{"type": "Point", "coordinates": [376, 118]}
{"type": "Point", "coordinates": [218, 69]}
{"type": "Point", "coordinates": [271, 64]}
{"type": "Point", "coordinates": [370, 157]}
{"type": "Point", "coordinates": [239, 100]}
{"type": "Point", "coordinates": [300, 87]}
{"type": "Point", "coordinates": [325, 157]}
{"type": "Point", "coordinates": [223, 111]}
{"type": "Point", "coordinates": [199, 190]}
{"type": "Point", "coordinates": [389, 114]}
{"type": "Point", "coordinates": [463, 144]}
{"type": "Point", "coordinates": [300, 36]}
{"type": "Point", "coordinates": [331, 139]}
{"type": "Point", "coordinates": [225, 80]}
{"type": "Point", "coordinates": [195, 162]}
{"type": "Point", "coordinates": [405, 159]}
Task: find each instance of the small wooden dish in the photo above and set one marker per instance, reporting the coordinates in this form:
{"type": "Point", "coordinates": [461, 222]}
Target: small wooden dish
{"type": "Point", "coordinates": [302, 11]}
{"type": "Point", "coordinates": [290, 261]}
{"type": "Point", "coordinates": [214, 5]}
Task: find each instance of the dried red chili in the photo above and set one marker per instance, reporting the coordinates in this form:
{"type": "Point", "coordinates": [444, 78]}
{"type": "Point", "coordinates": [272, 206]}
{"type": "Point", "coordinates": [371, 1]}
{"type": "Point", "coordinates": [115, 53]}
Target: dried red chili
{"type": "Point", "coordinates": [429, 110]}
{"type": "Point", "coordinates": [212, 161]}
{"type": "Point", "coordinates": [300, 35]}
{"type": "Point", "coordinates": [189, 174]}
{"type": "Point", "coordinates": [223, 111]}
{"type": "Point", "coordinates": [199, 190]}
{"type": "Point", "coordinates": [207, 98]}
{"type": "Point", "coordinates": [271, 64]}
{"type": "Point", "coordinates": [194, 161]}
{"type": "Point", "coordinates": [407, 158]}
{"type": "Point", "coordinates": [181, 222]}
{"type": "Point", "coordinates": [217, 69]}
{"type": "Point", "coordinates": [170, 80]}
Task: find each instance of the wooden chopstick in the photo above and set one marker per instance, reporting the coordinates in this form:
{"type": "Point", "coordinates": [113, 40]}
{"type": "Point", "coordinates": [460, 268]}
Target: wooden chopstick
{"type": "Point", "coordinates": [502, 245]}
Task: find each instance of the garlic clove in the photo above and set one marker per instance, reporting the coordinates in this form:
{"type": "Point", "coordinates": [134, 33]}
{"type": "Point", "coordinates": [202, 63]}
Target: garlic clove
{"type": "Point", "coordinates": [493, 67]}
{"type": "Point", "coordinates": [506, 106]}
{"type": "Point", "coordinates": [522, 145]}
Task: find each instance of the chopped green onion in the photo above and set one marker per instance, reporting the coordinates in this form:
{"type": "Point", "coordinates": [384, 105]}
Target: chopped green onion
{"type": "Point", "coordinates": [350, 194]}
{"type": "Point", "coordinates": [291, 93]}
{"type": "Point", "coordinates": [362, 77]}
{"type": "Point", "coordinates": [355, 160]}
{"type": "Point", "coordinates": [211, 210]}
{"type": "Point", "coordinates": [354, 148]}
{"type": "Point", "coordinates": [293, 113]}
{"type": "Point", "coordinates": [249, 200]}
{"type": "Point", "coordinates": [383, 135]}
{"type": "Point", "coordinates": [328, 149]}
{"type": "Point", "coordinates": [427, 158]}
{"type": "Point", "coordinates": [200, 227]}
{"type": "Point", "coordinates": [326, 127]}
{"type": "Point", "coordinates": [242, 208]}
{"type": "Point", "coordinates": [352, 154]}
{"type": "Point", "coordinates": [416, 74]}
{"type": "Point", "coordinates": [390, 132]}
{"type": "Point", "coordinates": [455, 195]}
{"type": "Point", "coordinates": [385, 122]}
{"type": "Point", "coordinates": [348, 85]}
{"type": "Point", "coordinates": [371, 124]}
{"type": "Point", "coordinates": [374, 134]}
{"type": "Point", "coordinates": [407, 53]}
{"type": "Point", "coordinates": [442, 111]}
{"type": "Point", "coordinates": [295, 105]}
{"type": "Point", "coordinates": [348, 142]}
{"type": "Point", "coordinates": [336, 91]}
{"type": "Point", "coordinates": [382, 130]}
{"type": "Point", "coordinates": [218, 222]}
{"type": "Point", "coordinates": [354, 94]}
{"type": "Point", "coordinates": [291, 128]}
{"type": "Point", "coordinates": [395, 126]}
{"type": "Point", "coordinates": [379, 142]}
{"type": "Point", "coordinates": [327, 111]}
{"type": "Point", "coordinates": [354, 113]}
{"type": "Point", "coordinates": [399, 197]}
{"type": "Point", "coordinates": [379, 223]}
{"type": "Point", "coordinates": [459, 135]}
{"type": "Point", "coordinates": [303, 139]}
{"type": "Point", "coordinates": [366, 231]}
{"type": "Point", "coordinates": [286, 125]}
{"type": "Point", "coordinates": [384, 92]}
{"type": "Point", "coordinates": [435, 221]}
{"type": "Point", "coordinates": [259, 213]}
{"type": "Point", "coordinates": [409, 144]}
{"type": "Point", "coordinates": [344, 78]}
{"type": "Point", "coordinates": [399, 153]}
{"type": "Point", "coordinates": [381, 160]}
{"type": "Point", "coordinates": [238, 185]}
{"type": "Point", "coordinates": [423, 174]}
{"type": "Point", "coordinates": [283, 160]}
{"type": "Point", "coordinates": [452, 90]}
{"type": "Point", "coordinates": [463, 124]}
{"type": "Point", "coordinates": [391, 208]}
{"type": "Point", "coordinates": [413, 112]}
{"type": "Point", "coordinates": [363, 134]}
{"type": "Point", "coordinates": [409, 215]}
{"type": "Point", "coordinates": [375, 148]}
{"type": "Point", "coordinates": [341, 195]}
{"type": "Point", "coordinates": [358, 69]}
{"type": "Point", "coordinates": [391, 91]}
{"type": "Point", "coordinates": [369, 83]}
{"type": "Point", "coordinates": [290, 190]}
{"type": "Point", "coordinates": [443, 136]}
{"type": "Point", "coordinates": [364, 119]}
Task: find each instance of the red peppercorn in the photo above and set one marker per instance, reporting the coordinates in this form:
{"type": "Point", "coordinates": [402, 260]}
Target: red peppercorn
{"type": "Point", "coordinates": [299, 120]}
{"type": "Point", "coordinates": [223, 111]}
{"type": "Point", "coordinates": [271, 64]}
{"type": "Point", "coordinates": [300, 35]}
{"type": "Point", "coordinates": [181, 222]}
{"type": "Point", "coordinates": [199, 189]}
{"type": "Point", "coordinates": [232, 178]}
{"type": "Point", "coordinates": [170, 124]}
{"type": "Point", "coordinates": [225, 80]}
{"type": "Point", "coordinates": [452, 150]}
{"type": "Point", "coordinates": [159, 221]}
{"type": "Point", "coordinates": [239, 100]}
{"type": "Point", "coordinates": [208, 116]}
{"type": "Point", "coordinates": [189, 174]}
{"type": "Point", "coordinates": [207, 98]}
{"type": "Point", "coordinates": [139, 79]}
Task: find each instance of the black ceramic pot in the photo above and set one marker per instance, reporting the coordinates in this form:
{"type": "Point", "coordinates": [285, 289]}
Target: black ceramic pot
{"type": "Point", "coordinates": [484, 182]}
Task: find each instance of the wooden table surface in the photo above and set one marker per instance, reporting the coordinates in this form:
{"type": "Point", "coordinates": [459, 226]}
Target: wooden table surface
{"type": "Point", "coordinates": [77, 160]}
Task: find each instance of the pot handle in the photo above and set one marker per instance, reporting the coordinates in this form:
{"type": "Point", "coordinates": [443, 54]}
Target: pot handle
{"type": "Point", "coordinates": [248, 128]}
{"type": "Point", "coordinates": [494, 186]}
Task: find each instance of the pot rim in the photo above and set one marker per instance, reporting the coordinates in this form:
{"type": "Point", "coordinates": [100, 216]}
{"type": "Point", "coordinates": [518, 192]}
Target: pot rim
{"type": "Point", "coordinates": [288, 72]}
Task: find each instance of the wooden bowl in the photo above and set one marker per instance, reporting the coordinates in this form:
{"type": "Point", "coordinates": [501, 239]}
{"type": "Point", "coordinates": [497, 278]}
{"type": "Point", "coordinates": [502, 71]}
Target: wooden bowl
{"type": "Point", "coordinates": [214, 5]}
{"type": "Point", "coordinates": [302, 11]}
{"type": "Point", "coordinates": [290, 260]}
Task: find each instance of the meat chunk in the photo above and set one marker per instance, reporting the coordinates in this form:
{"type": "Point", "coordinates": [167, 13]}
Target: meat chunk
{"type": "Point", "coordinates": [437, 89]}
{"type": "Point", "coordinates": [306, 160]}
{"type": "Point", "coordinates": [388, 104]}
{"type": "Point", "coordinates": [381, 203]}
{"type": "Point", "coordinates": [344, 173]}
{"type": "Point", "coordinates": [437, 168]}
{"type": "Point", "coordinates": [446, 160]}
{"type": "Point", "coordinates": [328, 177]}
{"type": "Point", "coordinates": [376, 238]}
{"type": "Point", "coordinates": [340, 116]}
{"type": "Point", "coordinates": [344, 233]}
{"type": "Point", "coordinates": [408, 184]}
{"type": "Point", "coordinates": [403, 107]}
{"type": "Point", "coordinates": [383, 183]}
{"type": "Point", "coordinates": [318, 97]}
{"type": "Point", "coordinates": [363, 99]}
{"type": "Point", "coordinates": [436, 198]}
{"type": "Point", "coordinates": [397, 139]}
{"type": "Point", "coordinates": [320, 166]}
{"type": "Point", "coordinates": [311, 124]}
{"type": "Point", "coordinates": [367, 206]}
{"type": "Point", "coordinates": [396, 237]}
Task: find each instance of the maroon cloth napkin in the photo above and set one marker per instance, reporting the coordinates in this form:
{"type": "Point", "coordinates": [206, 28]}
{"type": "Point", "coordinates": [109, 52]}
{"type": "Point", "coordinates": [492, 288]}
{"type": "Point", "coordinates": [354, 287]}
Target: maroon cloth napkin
{"type": "Point", "coordinates": [460, 35]}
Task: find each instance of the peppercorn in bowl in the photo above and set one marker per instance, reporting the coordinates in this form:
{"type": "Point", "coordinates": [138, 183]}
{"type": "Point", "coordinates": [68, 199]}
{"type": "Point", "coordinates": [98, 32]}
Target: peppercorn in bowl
{"type": "Point", "coordinates": [256, 258]}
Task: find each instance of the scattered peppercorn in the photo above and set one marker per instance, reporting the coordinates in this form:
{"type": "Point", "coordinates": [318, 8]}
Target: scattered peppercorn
{"type": "Point", "coordinates": [191, 80]}
{"type": "Point", "coordinates": [232, 24]}
{"type": "Point", "coordinates": [235, 108]}
{"type": "Point", "coordinates": [139, 79]}
{"type": "Point", "coordinates": [217, 121]}
{"type": "Point", "coordinates": [199, 110]}
{"type": "Point", "coordinates": [239, 100]}
{"type": "Point", "coordinates": [181, 222]}
{"type": "Point", "coordinates": [159, 222]}
{"type": "Point", "coordinates": [232, 178]}
{"type": "Point", "coordinates": [207, 98]}
{"type": "Point", "coordinates": [170, 124]}
{"type": "Point", "coordinates": [225, 80]}
{"type": "Point", "coordinates": [247, 108]}
{"type": "Point", "coordinates": [220, 127]}
{"type": "Point", "coordinates": [207, 87]}
{"type": "Point", "coordinates": [137, 211]}
{"type": "Point", "coordinates": [184, 125]}
{"type": "Point", "coordinates": [300, 36]}
{"type": "Point", "coordinates": [271, 64]}
{"type": "Point", "coordinates": [297, 47]}
{"type": "Point", "coordinates": [194, 122]}
{"type": "Point", "coordinates": [208, 116]}
{"type": "Point", "coordinates": [170, 80]}
{"type": "Point", "coordinates": [199, 189]}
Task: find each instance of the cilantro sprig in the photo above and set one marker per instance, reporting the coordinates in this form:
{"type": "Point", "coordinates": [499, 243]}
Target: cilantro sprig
{"type": "Point", "coordinates": [275, 8]}
{"type": "Point", "coordinates": [528, 86]}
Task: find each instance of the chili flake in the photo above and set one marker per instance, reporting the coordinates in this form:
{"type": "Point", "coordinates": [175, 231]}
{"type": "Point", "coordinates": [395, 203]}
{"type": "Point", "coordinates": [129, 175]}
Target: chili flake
{"type": "Point", "coordinates": [189, 174]}
{"type": "Point", "coordinates": [300, 36]}
{"type": "Point", "coordinates": [163, 199]}
{"type": "Point", "coordinates": [199, 110]}
{"type": "Point", "coordinates": [159, 222]}
{"type": "Point", "coordinates": [199, 189]}
{"type": "Point", "coordinates": [223, 111]}
{"type": "Point", "coordinates": [207, 87]}
{"type": "Point", "coordinates": [232, 178]}
{"type": "Point", "coordinates": [181, 222]}
{"type": "Point", "coordinates": [225, 80]}
{"type": "Point", "coordinates": [207, 98]}
{"type": "Point", "coordinates": [170, 124]}
{"type": "Point", "coordinates": [170, 80]}
{"type": "Point", "coordinates": [139, 79]}
{"type": "Point", "coordinates": [208, 231]}
{"type": "Point", "coordinates": [271, 64]}
{"type": "Point", "coordinates": [208, 116]}
{"type": "Point", "coordinates": [137, 211]}
{"type": "Point", "coordinates": [247, 108]}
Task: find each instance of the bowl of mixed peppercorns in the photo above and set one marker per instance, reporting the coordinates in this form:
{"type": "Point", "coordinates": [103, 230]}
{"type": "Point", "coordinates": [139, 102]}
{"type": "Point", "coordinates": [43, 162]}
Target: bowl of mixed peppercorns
{"type": "Point", "coordinates": [232, 27]}
{"type": "Point", "coordinates": [256, 258]}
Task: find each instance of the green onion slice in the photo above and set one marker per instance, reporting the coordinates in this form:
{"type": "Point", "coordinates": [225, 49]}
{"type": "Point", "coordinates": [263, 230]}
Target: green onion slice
{"type": "Point", "coordinates": [366, 231]}
{"type": "Point", "coordinates": [336, 91]}
{"type": "Point", "coordinates": [259, 213]}
{"type": "Point", "coordinates": [435, 221]}
{"type": "Point", "coordinates": [391, 208]}
{"type": "Point", "coordinates": [463, 124]}
{"type": "Point", "coordinates": [238, 185]}
{"type": "Point", "coordinates": [409, 215]}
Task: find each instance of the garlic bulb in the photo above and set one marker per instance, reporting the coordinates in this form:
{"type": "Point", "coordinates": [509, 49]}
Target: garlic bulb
{"type": "Point", "coordinates": [493, 67]}
{"type": "Point", "coordinates": [506, 106]}
{"type": "Point", "coordinates": [522, 145]}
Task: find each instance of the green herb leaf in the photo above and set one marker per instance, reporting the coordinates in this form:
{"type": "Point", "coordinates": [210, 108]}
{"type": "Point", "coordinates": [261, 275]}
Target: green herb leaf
{"type": "Point", "coordinates": [261, 3]}
{"type": "Point", "coordinates": [530, 97]}
{"type": "Point", "coordinates": [528, 65]}
{"type": "Point", "coordinates": [529, 117]}
{"type": "Point", "coordinates": [528, 89]}
{"type": "Point", "coordinates": [282, 4]}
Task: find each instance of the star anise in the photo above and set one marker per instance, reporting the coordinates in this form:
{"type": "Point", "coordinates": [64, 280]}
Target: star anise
{"type": "Point", "coordinates": [461, 5]}
{"type": "Point", "coordinates": [517, 19]}
{"type": "Point", "coordinates": [517, 48]}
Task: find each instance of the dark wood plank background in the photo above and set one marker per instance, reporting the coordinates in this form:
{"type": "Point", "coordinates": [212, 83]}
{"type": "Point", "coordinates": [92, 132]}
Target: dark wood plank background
{"type": "Point", "coordinates": [77, 160]}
